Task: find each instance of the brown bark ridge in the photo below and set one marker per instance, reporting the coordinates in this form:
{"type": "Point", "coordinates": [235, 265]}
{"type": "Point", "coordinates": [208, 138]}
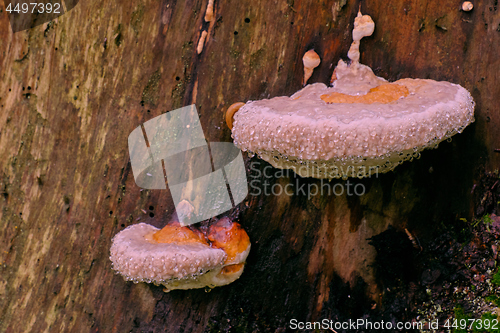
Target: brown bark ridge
{"type": "Point", "coordinates": [73, 89]}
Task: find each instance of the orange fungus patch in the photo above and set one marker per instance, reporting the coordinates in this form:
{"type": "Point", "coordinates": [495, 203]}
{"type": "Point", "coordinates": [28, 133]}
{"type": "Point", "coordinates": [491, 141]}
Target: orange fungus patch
{"type": "Point", "coordinates": [175, 233]}
{"type": "Point", "coordinates": [385, 93]}
{"type": "Point", "coordinates": [229, 237]}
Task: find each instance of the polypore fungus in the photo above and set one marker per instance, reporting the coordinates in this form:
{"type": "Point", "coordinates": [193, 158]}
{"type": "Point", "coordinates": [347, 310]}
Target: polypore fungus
{"type": "Point", "coordinates": [230, 113]}
{"type": "Point", "coordinates": [209, 14]}
{"type": "Point", "coordinates": [360, 125]}
{"type": "Point", "coordinates": [201, 42]}
{"type": "Point", "coordinates": [179, 257]}
{"type": "Point", "coordinates": [311, 60]}
{"type": "Point", "coordinates": [467, 6]}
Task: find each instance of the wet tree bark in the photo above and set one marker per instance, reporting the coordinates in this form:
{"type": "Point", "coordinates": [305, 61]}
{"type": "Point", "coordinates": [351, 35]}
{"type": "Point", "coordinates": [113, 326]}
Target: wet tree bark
{"type": "Point", "coordinates": [72, 90]}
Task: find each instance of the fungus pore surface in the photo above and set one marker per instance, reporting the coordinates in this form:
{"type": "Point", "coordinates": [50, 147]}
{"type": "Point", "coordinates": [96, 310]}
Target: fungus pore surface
{"type": "Point", "coordinates": [179, 257]}
{"type": "Point", "coordinates": [359, 126]}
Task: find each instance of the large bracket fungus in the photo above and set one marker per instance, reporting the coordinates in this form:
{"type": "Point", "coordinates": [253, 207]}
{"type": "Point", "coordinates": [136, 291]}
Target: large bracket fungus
{"type": "Point", "coordinates": [360, 125]}
{"type": "Point", "coordinates": [179, 257]}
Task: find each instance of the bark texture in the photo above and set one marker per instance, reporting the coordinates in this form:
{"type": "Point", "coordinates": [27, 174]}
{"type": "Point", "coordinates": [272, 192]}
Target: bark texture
{"type": "Point", "coordinates": [73, 89]}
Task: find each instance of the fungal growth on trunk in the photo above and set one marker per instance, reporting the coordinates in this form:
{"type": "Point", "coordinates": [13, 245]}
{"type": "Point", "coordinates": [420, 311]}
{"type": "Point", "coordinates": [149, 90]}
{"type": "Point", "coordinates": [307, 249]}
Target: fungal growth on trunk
{"type": "Point", "coordinates": [311, 60]}
{"type": "Point", "coordinates": [359, 126]}
{"type": "Point", "coordinates": [467, 6]}
{"type": "Point", "coordinates": [180, 257]}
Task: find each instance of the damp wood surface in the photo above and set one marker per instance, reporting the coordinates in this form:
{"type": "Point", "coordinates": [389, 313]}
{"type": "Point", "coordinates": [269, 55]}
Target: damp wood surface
{"type": "Point", "coordinates": [72, 90]}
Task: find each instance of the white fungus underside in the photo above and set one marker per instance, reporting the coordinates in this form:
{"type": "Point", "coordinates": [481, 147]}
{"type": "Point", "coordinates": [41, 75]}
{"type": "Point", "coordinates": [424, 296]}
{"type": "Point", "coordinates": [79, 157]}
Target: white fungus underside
{"type": "Point", "coordinates": [176, 267]}
{"type": "Point", "coordinates": [321, 140]}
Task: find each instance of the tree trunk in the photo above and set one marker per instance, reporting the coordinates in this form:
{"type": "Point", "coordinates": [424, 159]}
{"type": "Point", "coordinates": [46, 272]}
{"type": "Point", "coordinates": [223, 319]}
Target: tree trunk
{"type": "Point", "coordinates": [72, 90]}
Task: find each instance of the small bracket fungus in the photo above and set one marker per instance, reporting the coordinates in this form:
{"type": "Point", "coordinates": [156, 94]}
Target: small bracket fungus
{"type": "Point", "coordinates": [180, 257]}
{"type": "Point", "coordinates": [201, 42]}
{"type": "Point", "coordinates": [209, 14]}
{"type": "Point", "coordinates": [467, 6]}
{"type": "Point", "coordinates": [230, 113]}
{"type": "Point", "coordinates": [359, 126]}
{"type": "Point", "coordinates": [311, 60]}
